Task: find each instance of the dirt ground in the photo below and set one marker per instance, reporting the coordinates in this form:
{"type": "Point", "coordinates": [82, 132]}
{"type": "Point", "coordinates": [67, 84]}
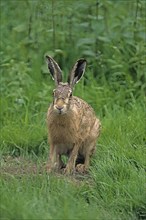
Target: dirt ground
{"type": "Point", "coordinates": [20, 166]}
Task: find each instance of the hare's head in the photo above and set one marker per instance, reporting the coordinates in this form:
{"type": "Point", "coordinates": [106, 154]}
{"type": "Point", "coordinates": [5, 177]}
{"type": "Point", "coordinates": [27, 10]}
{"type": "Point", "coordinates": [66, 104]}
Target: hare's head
{"type": "Point", "coordinates": [63, 92]}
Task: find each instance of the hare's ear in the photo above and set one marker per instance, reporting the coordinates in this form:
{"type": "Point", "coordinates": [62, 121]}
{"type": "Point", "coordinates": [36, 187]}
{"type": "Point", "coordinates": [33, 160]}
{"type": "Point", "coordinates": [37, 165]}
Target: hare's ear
{"type": "Point", "coordinates": [55, 70]}
{"type": "Point", "coordinates": [77, 72]}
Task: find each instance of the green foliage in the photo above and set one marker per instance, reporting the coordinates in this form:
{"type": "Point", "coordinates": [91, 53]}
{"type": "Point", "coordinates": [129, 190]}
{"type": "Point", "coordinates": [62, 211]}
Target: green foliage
{"type": "Point", "coordinates": [111, 36]}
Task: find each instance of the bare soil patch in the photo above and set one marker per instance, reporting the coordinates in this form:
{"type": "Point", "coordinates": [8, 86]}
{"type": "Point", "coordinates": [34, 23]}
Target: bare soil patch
{"type": "Point", "coordinates": [18, 166]}
{"type": "Point", "coordinates": [21, 166]}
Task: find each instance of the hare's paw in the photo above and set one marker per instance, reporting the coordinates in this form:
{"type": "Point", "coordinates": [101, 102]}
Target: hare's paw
{"type": "Point", "coordinates": [48, 168]}
{"type": "Point", "coordinates": [51, 168]}
{"type": "Point", "coordinates": [68, 170]}
{"type": "Point", "coordinates": [81, 168]}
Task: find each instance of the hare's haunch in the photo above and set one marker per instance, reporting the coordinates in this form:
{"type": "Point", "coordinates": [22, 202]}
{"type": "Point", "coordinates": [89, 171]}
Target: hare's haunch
{"type": "Point", "coordinates": [72, 125]}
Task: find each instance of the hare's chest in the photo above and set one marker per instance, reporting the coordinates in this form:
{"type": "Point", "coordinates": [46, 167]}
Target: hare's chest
{"type": "Point", "coordinates": [64, 149]}
{"type": "Point", "coordinates": [62, 133]}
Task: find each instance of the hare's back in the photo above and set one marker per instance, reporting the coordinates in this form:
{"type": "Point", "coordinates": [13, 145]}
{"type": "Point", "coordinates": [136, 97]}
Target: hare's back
{"type": "Point", "coordinates": [88, 124]}
{"type": "Point", "coordinates": [82, 107]}
{"type": "Point", "coordinates": [85, 113]}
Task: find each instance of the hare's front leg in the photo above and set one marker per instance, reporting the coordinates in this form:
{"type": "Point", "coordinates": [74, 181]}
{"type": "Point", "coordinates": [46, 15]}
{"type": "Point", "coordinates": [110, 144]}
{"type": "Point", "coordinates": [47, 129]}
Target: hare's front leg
{"type": "Point", "coordinates": [83, 168]}
{"type": "Point", "coordinates": [70, 167]}
{"type": "Point", "coordinates": [54, 162]}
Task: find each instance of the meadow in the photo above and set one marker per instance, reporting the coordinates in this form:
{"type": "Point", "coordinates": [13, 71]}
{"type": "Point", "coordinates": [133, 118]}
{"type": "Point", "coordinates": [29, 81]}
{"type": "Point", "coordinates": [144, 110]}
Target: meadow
{"type": "Point", "coordinates": [111, 36]}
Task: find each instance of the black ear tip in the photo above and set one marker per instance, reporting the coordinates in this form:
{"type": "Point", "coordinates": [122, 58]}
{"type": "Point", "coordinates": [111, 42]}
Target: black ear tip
{"type": "Point", "coordinates": [82, 60]}
{"type": "Point", "coordinates": [47, 57]}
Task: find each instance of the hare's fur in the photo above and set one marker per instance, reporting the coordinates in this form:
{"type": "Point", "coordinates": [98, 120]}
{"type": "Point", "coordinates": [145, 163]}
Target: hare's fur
{"type": "Point", "coordinates": [72, 129]}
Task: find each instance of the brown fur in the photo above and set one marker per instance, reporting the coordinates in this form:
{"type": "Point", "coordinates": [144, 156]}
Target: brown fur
{"type": "Point", "coordinates": [78, 128]}
{"type": "Point", "coordinates": [72, 129]}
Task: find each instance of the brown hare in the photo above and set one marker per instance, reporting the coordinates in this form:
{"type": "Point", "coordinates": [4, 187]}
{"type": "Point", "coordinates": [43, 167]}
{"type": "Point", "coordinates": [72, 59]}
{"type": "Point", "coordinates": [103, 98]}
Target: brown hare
{"type": "Point", "coordinates": [72, 125]}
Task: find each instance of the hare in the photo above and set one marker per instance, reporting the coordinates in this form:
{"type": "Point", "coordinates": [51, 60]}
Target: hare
{"type": "Point", "coordinates": [72, 125]}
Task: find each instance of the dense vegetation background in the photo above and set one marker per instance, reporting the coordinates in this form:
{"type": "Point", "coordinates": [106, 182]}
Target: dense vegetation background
{"type": "Point", "coordinates": [111, 36]}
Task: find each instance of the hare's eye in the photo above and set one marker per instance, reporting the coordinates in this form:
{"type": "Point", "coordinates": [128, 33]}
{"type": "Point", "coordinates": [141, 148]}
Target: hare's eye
{"type": "Point", "coordinates": [71, 94]}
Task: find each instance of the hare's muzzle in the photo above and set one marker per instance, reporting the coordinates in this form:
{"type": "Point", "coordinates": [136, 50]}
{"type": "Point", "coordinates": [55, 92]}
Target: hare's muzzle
{"type": "Point", "coordinates": [60, 106]}
{"type": "Point", "coordinates": [59, 110]}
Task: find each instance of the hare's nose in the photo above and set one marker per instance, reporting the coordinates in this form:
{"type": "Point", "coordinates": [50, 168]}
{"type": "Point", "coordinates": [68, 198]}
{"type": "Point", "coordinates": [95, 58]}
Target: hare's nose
{"type": "Point", "coordinates": [59, 107]}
